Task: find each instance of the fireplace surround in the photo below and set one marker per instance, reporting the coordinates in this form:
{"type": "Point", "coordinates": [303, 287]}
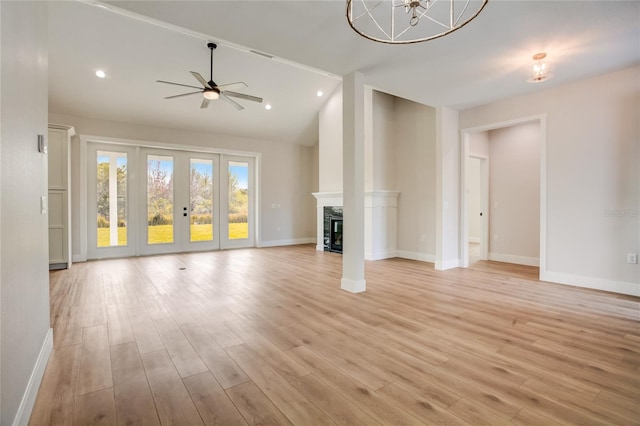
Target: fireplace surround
{"type": "Point", "coordinates": [380, 227]}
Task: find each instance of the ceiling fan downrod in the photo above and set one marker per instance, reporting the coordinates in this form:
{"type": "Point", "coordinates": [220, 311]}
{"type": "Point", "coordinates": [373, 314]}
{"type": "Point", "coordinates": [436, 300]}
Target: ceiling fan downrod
{"type": "Point", "coordinates": [212, 47]}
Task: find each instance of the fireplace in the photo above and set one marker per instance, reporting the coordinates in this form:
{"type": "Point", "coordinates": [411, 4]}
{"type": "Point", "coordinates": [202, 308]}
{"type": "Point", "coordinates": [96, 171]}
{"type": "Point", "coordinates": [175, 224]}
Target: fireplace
{"type": "Point", "coordinates": [335, 236]}
{"type": "Point", "coordinates": [333, 229]}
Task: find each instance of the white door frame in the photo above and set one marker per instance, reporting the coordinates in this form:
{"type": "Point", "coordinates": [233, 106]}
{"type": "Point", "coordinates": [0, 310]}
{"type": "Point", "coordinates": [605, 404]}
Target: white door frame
{"type": "Point", "coordinates": [464, 150]}
{"type": "Point", "coordinates": [484, 208]}
{"type": "Point", "coordinates": [115, 144]}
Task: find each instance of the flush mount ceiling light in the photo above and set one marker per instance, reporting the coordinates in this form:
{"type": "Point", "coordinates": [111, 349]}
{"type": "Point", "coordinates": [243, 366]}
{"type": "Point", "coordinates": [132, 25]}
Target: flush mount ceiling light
{"type": "Point", "coordinates": [540, 69]}
{"type": "Point", "coordinates": [101, 74]}
{"type": "Point", "coordinates": [267, 107]}
{"type": "Point", "coordinates": [410, 21]}
{"type": "Point", "coordinates": [319, 93]}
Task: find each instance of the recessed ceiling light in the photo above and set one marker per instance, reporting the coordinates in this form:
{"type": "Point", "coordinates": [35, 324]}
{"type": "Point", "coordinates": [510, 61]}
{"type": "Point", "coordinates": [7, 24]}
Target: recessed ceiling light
{"type": "Point", "coordinates": [319, 93]}
{"type": "Point", "coordinates": [267, 106]}
{"type": "Point", "coordinates": [101, 74]}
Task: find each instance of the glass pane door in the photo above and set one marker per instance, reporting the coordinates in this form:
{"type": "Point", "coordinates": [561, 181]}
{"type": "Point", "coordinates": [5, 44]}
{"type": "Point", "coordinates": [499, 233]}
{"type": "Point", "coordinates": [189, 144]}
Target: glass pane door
{"type": "Point", "coordinates": [238, 202]}
{"type": "Point", "coordinates": [203, 208]}
{"type": "Point", "coordinates": [180, 203]}
{"type": "Point", "coordinates": [109, 211]}
{"type": "Point", "coordinates": [160, 202]}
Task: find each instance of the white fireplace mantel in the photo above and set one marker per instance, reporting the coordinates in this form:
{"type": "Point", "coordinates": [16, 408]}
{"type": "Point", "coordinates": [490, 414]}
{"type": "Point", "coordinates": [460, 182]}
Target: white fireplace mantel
{"type": "Point", "coordinates": [380, 228]}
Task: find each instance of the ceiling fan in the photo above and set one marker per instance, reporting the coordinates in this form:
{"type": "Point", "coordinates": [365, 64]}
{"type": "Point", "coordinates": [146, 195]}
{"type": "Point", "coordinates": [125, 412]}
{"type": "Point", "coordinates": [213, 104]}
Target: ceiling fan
{"type": "Point", "coordinates": [211, 91]}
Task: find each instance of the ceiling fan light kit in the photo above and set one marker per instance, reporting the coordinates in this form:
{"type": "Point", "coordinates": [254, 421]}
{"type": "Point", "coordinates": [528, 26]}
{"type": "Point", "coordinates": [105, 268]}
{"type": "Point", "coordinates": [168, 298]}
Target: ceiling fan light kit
{"type": "Point", "coordinates": [211, 91]}
{"type": "Point", "coordinates": [410, 21]}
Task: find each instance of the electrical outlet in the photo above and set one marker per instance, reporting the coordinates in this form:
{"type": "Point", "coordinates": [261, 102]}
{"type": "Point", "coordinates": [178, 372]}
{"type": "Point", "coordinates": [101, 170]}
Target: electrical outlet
{"type": "Point", "coordinates": [632, 257]}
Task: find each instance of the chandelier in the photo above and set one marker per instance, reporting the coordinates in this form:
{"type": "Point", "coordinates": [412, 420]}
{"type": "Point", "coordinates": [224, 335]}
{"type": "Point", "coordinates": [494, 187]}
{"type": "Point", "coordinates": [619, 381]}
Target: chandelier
{"type": "Point", "coordinates": [410, 21]}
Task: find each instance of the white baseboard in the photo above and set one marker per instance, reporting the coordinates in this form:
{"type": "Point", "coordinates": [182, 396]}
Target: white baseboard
{"type": "Point", "coordinates": [442, 265]}
{"type": "Point", "coordinates": [474, 240]}
{"type": "Point", "coordinates": [510, 258]}
{"type": "Point", "coordinates": [414, 255]}
{"type": "Point", "coordinates": [293, 242]}
{"type": "Point", "coordinates": [622, 287]}
{"type": "Point", "coordinates": [353, 286]}
{"type": "Point", "coordinates": [78, 258]}
{"type": "Point", "coordinates": [30, 393]}
{"type": "Point", "coordinates": [379, 255]}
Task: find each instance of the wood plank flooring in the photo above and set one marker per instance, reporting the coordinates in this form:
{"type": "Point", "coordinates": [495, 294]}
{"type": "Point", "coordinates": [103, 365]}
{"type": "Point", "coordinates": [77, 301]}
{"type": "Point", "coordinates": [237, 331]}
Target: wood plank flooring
{"type": "Point", "coordinates": [266, 336]}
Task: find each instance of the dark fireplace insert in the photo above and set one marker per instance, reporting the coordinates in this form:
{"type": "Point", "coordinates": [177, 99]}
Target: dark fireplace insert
{"type": "Point", "coordinates": [333, 229]}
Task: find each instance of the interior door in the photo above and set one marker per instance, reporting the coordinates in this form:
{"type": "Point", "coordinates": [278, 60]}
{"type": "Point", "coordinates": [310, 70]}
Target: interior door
{"type": "Point", "coordinates": [237, 213]}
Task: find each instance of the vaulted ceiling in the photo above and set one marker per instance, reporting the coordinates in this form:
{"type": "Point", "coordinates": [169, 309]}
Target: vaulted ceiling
{"type": "Point", "coordinates": [309, 45]}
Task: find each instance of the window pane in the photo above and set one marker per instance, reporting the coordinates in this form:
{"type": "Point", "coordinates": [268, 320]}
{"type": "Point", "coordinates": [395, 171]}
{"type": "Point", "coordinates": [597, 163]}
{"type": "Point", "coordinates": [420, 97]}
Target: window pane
{"type": "Point", "coordinates": [201, 200]}
{"type": "Point", "coordinates": [111, 178]}
{"type": "Point", "coordinates": [238, 200]}
{"type": "Point", "coordinates": [159, 199]}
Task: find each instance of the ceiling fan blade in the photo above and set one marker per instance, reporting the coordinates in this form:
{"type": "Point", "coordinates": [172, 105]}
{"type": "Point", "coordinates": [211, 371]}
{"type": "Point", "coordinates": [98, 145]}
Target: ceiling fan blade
{"type": "Point", "coordinates": [229, 86]}
{"type": "Point", "coordinates": [201, 79]}
{"type": "Point", "coordinates": [176, 84]}
{"type": "Point", "coordinates": [183, 94]}
{"type": "Point", "coordinates": [205, 103]}
{"type": "Point", "coordinates": [232, 102]}
{"type": "Point", "coordinates": [242, 96]}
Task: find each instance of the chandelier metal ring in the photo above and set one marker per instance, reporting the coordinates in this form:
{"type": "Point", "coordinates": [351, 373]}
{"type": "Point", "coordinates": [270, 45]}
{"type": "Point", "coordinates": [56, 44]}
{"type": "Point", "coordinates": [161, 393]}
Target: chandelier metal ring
{"type": "Point", "coordinates": [410, 21]}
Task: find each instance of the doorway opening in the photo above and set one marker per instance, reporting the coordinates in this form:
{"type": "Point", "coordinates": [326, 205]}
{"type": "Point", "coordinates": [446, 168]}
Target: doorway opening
{"type": "Point", "coordinates": [503, 202]}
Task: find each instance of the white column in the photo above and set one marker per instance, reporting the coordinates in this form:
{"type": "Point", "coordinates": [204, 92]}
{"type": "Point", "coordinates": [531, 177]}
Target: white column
{"type": "Point", "coordinates": [113, 199]}
{"type": "Point", "coordinates": [353, 183]}
{"type": "Point", "coordinates": [447, 189]}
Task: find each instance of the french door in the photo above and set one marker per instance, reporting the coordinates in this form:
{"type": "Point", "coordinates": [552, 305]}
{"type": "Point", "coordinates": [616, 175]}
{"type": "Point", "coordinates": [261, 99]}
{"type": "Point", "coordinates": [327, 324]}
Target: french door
{"type": "Point", "coordinates": [171, 201]}
{"type": "Point", "coordinates": [237, 206]}
{"type": "Point", "coordinates": [180, 207]}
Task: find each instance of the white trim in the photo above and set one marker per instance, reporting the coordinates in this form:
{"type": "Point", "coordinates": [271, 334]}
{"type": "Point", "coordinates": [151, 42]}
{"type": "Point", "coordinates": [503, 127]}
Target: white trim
{"type": "Point", "coordinates": [291, 242]}
{"type": "Point", "coordinates": [511, 258]}
{"type": "Point", "coordinates": [442, 265]}
{"type": "Point", "coordinates": [205, 37]}
{"type": "Point", "coordinates": [31, 392]}
{"type": "Point", "coordinates": [414, 255]}
{"type": "Point", "coordinates": [474, 240]}
{"type": "Point", "coordinates": [353, 286]}
{"type": "Point", "coordinates": [79, 258]}
{"type": "Point", "coordinates": [541, 119]}
{"type": "Point", "coordinates": [632, 289]}
{"type": "Point", "coordinates": [161, 145]}
{"type": "Point", "coordinates": [379, 255]}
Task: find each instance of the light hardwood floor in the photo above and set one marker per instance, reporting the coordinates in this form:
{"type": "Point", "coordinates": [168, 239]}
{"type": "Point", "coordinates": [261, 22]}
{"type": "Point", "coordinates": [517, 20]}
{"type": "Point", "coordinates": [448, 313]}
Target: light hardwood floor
{"type": "Point", "coordinates": [265, 336]}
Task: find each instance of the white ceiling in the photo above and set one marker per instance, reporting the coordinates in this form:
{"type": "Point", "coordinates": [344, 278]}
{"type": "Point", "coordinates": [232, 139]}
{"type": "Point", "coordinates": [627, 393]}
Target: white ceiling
{"type": "Point", "coordinates": [138, 42]}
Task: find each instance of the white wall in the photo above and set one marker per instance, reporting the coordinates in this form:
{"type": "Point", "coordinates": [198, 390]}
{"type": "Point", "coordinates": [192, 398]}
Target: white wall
{"type": "Point", "coordinates": [383, 149]}
{"type": "Point", "coordinates": [415, 151]}
{"type": "Point", "coordinates": [24, 317]}
{"type": "Point", "coordinates": [592, 162]}
{"type": "Point", "coordinates": [514, 194]}
{"type": "Point", "coordinates": [330, 149]}
{"type": "Point", "coordinates": [286, 174]}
